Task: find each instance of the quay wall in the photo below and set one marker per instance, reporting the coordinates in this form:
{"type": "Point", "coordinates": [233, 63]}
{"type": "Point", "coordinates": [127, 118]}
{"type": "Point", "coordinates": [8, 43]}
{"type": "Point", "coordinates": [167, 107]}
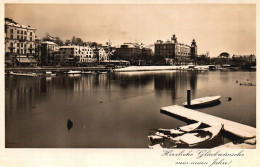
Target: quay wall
{"type": "Point", "coordinates": [56, 69]}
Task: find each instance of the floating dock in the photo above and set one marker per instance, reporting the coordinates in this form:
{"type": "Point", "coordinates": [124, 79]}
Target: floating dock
{"type": "Point", "coordinates": [238, 129]}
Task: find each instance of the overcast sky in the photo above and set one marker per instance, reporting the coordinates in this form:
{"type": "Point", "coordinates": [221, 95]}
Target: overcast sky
{"type": "Point", "coordinates": [216, 28]}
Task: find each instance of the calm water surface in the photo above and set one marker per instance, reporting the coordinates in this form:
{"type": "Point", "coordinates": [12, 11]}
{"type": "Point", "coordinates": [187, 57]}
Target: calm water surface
{"type": "Point", "coordinates": [115, 110]}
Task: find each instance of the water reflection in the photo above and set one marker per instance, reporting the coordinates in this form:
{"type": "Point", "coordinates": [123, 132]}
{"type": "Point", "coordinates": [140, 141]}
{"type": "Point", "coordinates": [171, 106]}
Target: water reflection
{"type": "Point", "coordinates": [125, 105]}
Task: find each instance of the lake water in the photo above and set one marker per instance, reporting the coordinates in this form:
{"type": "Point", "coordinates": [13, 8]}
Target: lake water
{"type": "Point", "coordinates": [115, 110]}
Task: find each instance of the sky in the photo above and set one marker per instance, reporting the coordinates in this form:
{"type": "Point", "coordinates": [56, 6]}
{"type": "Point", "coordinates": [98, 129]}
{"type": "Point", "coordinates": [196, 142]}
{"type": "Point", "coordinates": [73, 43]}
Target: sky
{"type": "Point", "coordinates": [216, 28]}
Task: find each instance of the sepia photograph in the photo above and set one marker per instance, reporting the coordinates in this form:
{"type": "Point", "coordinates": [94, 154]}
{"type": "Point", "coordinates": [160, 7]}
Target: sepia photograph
{"type": "Point", "coordinates": [130, 76]}
{"type": "Point", "coordinates": [135, 83]}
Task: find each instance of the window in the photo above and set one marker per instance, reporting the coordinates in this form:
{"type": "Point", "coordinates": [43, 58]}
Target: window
{"type": "Point", "coordinates": [11, 31]}
{"type": "Point", "coordinates": [21, 51]}
{"type": "Point", "coordinates": [25, 32]}
{"type": "Point", "coordinates": [18, 51]}
{"type": "Point", "coordinates": [12, 37]}
{"type": "Point", "coordinates": [17, 44]}
{"type": "Point", "coordinates": [30, 38]}
{"type": "Point", "coordinates": [31, 33]}
{"type": "Point", "coordinates": [21, 44]}
{"type": "Point", "coordinates": [18, 31]}
{"type": "Point", "coordinates": [21, 32]}
{"type": "Point", "coordinates": [25, 38]}
{"type": "Point", "coordinates": [18, 37]}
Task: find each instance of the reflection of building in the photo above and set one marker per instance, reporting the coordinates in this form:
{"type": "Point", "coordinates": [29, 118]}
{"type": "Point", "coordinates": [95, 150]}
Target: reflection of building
{"type": "Point", "coordinates": [172, 50]}
{"type": "Point", "coordinates": [19, 41]}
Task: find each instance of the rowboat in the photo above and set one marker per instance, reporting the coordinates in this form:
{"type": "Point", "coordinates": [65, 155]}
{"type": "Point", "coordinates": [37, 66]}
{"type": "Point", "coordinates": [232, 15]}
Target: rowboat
{"type": "Point", "coordinates": [73, 72]}
{"type": "Point", "coordinates": [196, 138]}
{"type": "Point", "coordinates": [25, 74]}
{"type": "Point", "coordinates": [49, 73]}
{"type": "Point", "coordinates": [180, 130]}
{"type": "Point", "coordinates": [203, 101]}
{"type": "Point", "coordinates": [168, 133]}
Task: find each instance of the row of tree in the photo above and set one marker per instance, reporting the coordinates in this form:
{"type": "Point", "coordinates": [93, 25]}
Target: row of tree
{"type": "Point", "coordinates": [73, 41]}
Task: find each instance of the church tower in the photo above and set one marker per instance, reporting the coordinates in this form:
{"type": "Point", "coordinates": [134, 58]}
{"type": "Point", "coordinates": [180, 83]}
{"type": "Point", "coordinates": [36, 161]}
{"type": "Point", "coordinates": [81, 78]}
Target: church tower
{"type": "Point", "coordinates": [193, 49]}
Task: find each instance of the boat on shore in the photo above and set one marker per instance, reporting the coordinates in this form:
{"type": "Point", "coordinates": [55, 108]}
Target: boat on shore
{"type": "Point", "coordinates": [203, 101]}
{"type": "Point", "coordinates": [198, 138]}
{"type": "Point", "coordinates": [167, 133]}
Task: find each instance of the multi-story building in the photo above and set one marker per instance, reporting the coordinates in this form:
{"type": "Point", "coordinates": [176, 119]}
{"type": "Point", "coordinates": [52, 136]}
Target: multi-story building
{"type": "Point", "coordinates": [172, 50]}
{"type": "Point", "coordinates": [128, 51]}
{"type": "Point", "coordinates": [74, 53]}
{"type": "Point", "coordinates": [101, 54]}
{"type": "Point", "coordinates": [19, 41]}
{"type": "Point", "coordinates": [48, 49]}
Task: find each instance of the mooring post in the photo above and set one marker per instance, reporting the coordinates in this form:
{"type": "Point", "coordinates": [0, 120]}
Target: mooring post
{"type": "Point", "coordinates": [188, 98]}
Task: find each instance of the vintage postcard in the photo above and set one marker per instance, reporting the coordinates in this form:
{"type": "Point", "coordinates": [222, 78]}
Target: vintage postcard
{"type": "Point", "coordinates": [157, 83]}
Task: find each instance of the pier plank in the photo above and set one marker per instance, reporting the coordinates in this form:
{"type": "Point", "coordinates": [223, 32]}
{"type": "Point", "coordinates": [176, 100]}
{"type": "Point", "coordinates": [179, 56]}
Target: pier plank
{"type": "Point", "coordinates": [236, 128]}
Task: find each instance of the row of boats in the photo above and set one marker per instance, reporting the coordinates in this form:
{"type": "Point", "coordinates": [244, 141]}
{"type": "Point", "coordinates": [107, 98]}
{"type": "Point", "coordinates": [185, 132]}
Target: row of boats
{"type": "Point", "coordinates": [49, 73]}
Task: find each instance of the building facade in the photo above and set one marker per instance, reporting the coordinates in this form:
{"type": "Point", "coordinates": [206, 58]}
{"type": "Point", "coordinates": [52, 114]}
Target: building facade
{"type": "Point", "coordinates": [48, 50]}
{"type": "Point", "coordinates": [174, 51]}
{"type": "Point", "coordinates": [19, 41]}
{"type": "Point", "coordinates": [83, 54]}
{"type": "Point", "coordinates": [128, 51]}
{"type": "Point", "coordinates": [101, 54]}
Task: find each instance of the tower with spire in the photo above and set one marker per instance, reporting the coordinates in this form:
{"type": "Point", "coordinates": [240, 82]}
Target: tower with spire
{"type": "Point", "coordinates": [193, 49]}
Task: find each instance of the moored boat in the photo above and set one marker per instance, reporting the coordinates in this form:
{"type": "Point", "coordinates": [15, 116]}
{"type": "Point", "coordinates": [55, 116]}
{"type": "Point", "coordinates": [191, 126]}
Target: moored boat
{"type": "Point", "coordinates": [73, 72]}
{"type": "Point", "coordinates": [203, 101]}
{"type": "Point", "coordinates": [180, 130]}
{"type": "Point", "coordinates": [168, 133]}
{"type": "Point", "coordinates": [197, 138]}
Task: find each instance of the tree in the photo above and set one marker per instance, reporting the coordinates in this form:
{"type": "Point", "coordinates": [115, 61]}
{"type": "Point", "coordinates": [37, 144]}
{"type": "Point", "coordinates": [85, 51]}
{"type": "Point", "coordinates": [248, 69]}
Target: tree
{"type": "Point", "coordinates": [58, 41]}
{"type": "Point", "coordinates": [76, 41]}
{"type": "Point", "coordinates": [224, 55]}
{"type": "Point", "coordinates": [47, 37]}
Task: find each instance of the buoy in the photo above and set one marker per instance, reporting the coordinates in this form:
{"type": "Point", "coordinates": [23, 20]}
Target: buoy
{"type": "Point", "coordinates": [229, 99]}
{"type": "Point", "coordinates": [236, 81]}
{"type": "Point", "coordinates": [100, 102]}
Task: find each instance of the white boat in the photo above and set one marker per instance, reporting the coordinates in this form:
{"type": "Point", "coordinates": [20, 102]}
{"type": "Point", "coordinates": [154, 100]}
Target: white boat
{"type": "Point", "coordinates": [168, 133]}
{"type": "Point", "coordinates": [203, 101]}
{"type": "Point", "coordinates": [24, 74]}
{"type": "Point", "coordinates": [196, 138]}
{"type": "Point", "coordinates": [199, 136]}
{"type": "Point", "coordinates": [180, 130]}
{"type": "Point", "coordinates": [73, 72]}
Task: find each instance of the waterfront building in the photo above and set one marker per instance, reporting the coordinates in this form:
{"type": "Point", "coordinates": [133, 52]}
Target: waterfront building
{"type": "Point", "coordinates": [101, 54]}
{"type": "Point", "coordinates": [48, 49]}
{"type": "Point", "coordinates": [128, 51]}
{"type": "Point", "coordinates": [173, 51]}
{"type": "Point", "coordinates": [19, 41]}
{"type": "Point", "coordinates": [73, 54]}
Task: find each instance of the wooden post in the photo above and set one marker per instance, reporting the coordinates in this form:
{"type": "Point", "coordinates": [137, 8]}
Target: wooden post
{"type": "Point", "coordinates": [188, 98]}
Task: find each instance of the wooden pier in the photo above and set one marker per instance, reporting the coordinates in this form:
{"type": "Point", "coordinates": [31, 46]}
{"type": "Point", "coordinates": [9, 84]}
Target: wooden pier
{"type": "Point", "coordinates": [235, 128]}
